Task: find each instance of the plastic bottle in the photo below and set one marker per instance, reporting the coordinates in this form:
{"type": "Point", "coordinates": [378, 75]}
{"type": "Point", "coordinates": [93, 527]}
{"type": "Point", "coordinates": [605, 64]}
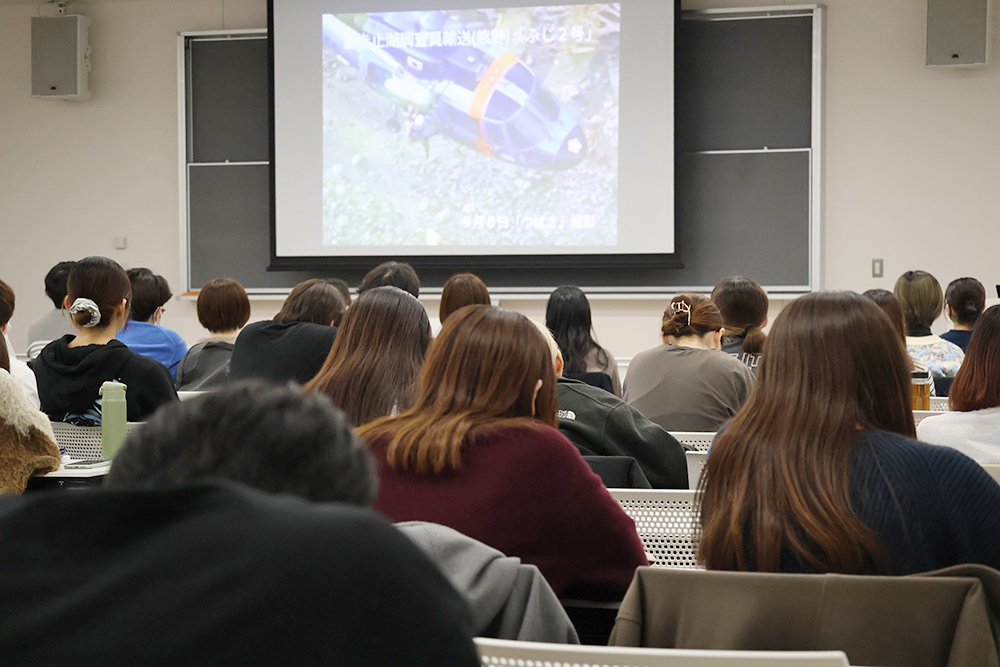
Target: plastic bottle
{"type": "Point", "coordinates": [113, 417]}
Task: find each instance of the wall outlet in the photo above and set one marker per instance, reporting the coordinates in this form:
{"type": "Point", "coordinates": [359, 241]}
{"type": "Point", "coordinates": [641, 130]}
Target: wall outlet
{"type": "Point", "coordinates": [121, 243]}
{"type": "Point", "coordinates": [877, 266]}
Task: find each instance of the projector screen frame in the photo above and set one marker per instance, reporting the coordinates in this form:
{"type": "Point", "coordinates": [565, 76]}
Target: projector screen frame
{"type": "Point", "coordinates": [472, 262]}
{"type": "Point", "coordinates": [230, 212]}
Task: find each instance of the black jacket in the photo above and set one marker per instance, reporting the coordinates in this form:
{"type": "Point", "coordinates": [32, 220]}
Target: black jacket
{"type": "Point", "coordinates": [602, 424]}
{"type": "Point", "coordinates": [281, 351]}
{"type": "Point", "coordinates": [69, 379]}
{"type": "Point", "coordinates": [218, 575]}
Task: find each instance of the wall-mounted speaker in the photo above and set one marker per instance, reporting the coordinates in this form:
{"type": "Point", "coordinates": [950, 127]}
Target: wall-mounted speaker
{"type": "Point", "coordinates": [958, 32]}
{"type": "Point", "coordinates": [60, 57]}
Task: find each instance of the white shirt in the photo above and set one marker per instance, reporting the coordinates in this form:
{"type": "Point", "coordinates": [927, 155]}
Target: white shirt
{"type": "Point", "coordinates": [24, 375]}
{"type": "Point", "coordinates": [975, 434]}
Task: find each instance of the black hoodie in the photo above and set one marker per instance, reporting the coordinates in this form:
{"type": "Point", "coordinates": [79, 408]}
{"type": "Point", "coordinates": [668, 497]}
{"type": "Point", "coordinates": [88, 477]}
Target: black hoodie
{"type": "Point", "coordinates": [69, 379]}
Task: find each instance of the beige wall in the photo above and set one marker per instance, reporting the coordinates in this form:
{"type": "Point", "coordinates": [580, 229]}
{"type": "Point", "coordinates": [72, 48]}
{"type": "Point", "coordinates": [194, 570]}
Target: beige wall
{"type": "Point", "coordinates": [912, 156]}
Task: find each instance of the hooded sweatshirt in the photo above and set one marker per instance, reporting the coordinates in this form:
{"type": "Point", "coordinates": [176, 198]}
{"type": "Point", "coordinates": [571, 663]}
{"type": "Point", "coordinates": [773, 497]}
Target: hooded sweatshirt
{"type": "Point", "coordinates": [70, 379]}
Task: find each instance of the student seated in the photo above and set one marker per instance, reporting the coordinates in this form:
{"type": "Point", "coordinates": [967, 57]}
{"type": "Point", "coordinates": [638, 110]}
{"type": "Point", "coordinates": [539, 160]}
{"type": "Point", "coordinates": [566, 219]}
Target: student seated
{"type": "Point", "coordinates": [223, 308]}
{"type": "Point", "coordinates": [372, 368]}
{"type": "Point", "coordinates": [973, 426]}
{"type": "Point", "coordinates": [17, 368]}
{"type": "Point", "coordinates": [294, 345]}
{"type": "Point", "coordinates": [889, 304]}
{"type": "Point", "coordinates": [178, 566]}
{"type": "Point", "coordinates": [55, 323]}
{"type": "Point", "coordinates": [743, 305]}
{"type": "Point", "coordinates": [567, 315]}
{"type": "Point", "coordinates": [391, 274]}
{"type": "Point", "coordinates": [819, 471]}
{"type": "Point", "coordinates": [919, 294]}
{"type": "Point", "coordinates": [143, 332]}
{"type": "Point", "coordinates": [687, 384]}
{"type": "Point", "coordinates": [71, 370]}
{"type": "Point", "coordinates": [478, 452]}
{"type": "Point", "coordinates": [599, 423]}
{"type": "Point", "coordinates": [463, 289]}
{"type": "Point", "coordinates": [964, 301]}
{"type": "Point", "coordinates": [275, 439]}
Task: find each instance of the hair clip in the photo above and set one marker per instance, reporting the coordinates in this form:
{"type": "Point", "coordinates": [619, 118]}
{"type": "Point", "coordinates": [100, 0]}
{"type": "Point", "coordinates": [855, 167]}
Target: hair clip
{"type": "Point", "coordinates": [682, 307]}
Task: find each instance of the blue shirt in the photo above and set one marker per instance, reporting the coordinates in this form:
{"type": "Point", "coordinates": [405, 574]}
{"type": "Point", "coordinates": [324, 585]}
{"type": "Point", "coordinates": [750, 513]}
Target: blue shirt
{"type": "Point", "coordinates": [155, 342]}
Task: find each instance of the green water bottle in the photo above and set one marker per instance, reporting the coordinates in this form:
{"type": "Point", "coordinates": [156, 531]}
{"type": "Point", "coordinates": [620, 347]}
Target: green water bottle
{"type": "Point", "coordinates": [113, 417]}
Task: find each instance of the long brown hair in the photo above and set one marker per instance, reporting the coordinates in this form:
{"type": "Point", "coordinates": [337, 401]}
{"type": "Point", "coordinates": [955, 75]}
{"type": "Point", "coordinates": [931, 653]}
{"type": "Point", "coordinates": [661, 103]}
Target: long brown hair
{"type": "Point", "coordinates": [977, 383]}
{"type": "Point", "coordinates": [377, 355]}
{"type": "Point", "coordinates": [743, 305]}
{"type": "Point", "coordinates": [4, 357]}
{"type": "Point", "coordinates": [481, 372]}
{"type": "Point", "coordinates": [777, 479]}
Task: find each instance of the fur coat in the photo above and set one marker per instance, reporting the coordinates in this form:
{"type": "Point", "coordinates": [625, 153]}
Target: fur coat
{"type": "Point", "coordinates": [27, 445]}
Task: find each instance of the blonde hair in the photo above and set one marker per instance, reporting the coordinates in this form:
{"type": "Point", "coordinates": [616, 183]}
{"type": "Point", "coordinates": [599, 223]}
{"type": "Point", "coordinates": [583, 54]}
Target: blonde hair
{"type": "Point", "coordinates": [550, 340]}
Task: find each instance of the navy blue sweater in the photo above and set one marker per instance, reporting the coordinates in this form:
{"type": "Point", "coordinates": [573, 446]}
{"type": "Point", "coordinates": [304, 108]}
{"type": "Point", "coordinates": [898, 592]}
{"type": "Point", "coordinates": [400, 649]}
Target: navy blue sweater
{"type": "Point", "coordinates": [929, 506]}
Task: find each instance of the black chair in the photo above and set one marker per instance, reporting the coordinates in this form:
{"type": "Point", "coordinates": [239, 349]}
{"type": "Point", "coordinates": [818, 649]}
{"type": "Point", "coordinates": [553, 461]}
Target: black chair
{"type": "Point", "coordinates": [599, 380]}
{"type": "Point", "coordinates": [618, 472]}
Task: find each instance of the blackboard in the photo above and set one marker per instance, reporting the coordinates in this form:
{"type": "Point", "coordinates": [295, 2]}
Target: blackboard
{"type": "Point", "coordinates": [746, 174]}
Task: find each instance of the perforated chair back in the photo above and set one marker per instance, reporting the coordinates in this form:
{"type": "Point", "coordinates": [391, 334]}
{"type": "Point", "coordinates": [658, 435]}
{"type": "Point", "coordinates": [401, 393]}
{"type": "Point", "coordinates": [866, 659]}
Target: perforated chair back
{"type": "Point", "coordinates": [496, 652]}
{"type": "Point", "coordinates": [920, 415]}
{"type": "Point", "coordinates": [993, 469]}
{"type": "Point", "coordinates": [83, 443]}
{"type": "Point", "coordinates": [665, 521]}
{"type": "Point", "coordinates": [700, 440]}
{"type": "Point", "coordinates": [696, 463]}
{"type": "Point", "coordinates": [940, 404]}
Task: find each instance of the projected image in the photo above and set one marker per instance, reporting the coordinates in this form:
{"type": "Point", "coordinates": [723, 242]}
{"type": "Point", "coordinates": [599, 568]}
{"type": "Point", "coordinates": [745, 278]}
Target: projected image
{"type": "Point", "coordinates": [486, 127]}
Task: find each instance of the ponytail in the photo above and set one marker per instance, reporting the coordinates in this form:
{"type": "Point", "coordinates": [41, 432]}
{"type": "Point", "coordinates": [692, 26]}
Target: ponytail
{"type": "Point", "coordinates": [743, 305]}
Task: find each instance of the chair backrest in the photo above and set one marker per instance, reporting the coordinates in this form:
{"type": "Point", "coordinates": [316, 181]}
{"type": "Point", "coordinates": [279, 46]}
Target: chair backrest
{"type": "Point", "coordinates": [700, 440]}
{"type": "Point", "coordinates": [993, 469]}
{"type": "Point", "coordinates": [940, 404]}
{"type": "Point", "coordinates": [83, 443]}
{"type": "Point", "coordinates": [494, 652]}
{"type": "Point", "coordinates": [920, 415]}
{"type": "Point", "coordinates": [666, 522]}
{"type": "Point", "coordinates": [696, 463]}
{"type": "Point", "coordinates": [942, 385]}
{"type": "Point", "coordinates": [945, 617]}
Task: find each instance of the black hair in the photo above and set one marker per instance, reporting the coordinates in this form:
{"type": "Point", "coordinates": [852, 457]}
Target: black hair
{"type": "Point", "coordinates": [392, 274]}
{"type": "Point", "coordinates": [149, 292]}
{"type": "Point", "coordinates": [256, 433]}
{"type": "Point", "coordinates": [567, 316]}
{"type": "Point", "coordinates": [967, 298]}
{"type": "Point", "coordinates": [55, 282]}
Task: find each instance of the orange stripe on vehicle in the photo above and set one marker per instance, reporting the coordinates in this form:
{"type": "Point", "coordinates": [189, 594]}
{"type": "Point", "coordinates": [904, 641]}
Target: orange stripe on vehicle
{"type": "Point", "coordinates": [482, 145]}
{"type": "Point", "coordinates": [488, 83]}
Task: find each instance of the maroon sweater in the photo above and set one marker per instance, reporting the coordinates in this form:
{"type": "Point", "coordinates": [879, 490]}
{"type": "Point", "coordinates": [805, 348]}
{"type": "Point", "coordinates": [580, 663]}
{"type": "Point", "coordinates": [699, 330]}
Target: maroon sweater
{"type": "Point", "coordinates": [527, 492]}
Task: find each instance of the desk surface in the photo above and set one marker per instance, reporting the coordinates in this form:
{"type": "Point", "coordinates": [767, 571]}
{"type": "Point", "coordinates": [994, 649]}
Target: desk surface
{"type": "Point", "coordinates": [63, 472]}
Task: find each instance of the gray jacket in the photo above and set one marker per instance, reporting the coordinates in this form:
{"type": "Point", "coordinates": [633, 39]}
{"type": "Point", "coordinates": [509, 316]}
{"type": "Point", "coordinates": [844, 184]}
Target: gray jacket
{"type": "Point", "coordinates": [508, 599]}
